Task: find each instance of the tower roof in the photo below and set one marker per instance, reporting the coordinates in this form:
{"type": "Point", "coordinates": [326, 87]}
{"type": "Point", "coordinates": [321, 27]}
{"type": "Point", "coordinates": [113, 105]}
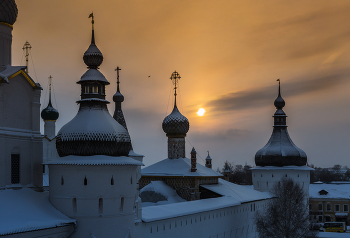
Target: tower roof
{"type": "Point", "coordinates": [175, 124]}
{"type": "Point", "coordinates": [280, 149]}
{"type": "Point", "coordinates": [8, 11]}
{"type": "Point", "coordinates": [49, 113]}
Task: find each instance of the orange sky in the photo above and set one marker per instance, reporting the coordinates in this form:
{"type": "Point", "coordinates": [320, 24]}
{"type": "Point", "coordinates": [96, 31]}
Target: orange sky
{"type": "Point", "coordinates": [229, 55]}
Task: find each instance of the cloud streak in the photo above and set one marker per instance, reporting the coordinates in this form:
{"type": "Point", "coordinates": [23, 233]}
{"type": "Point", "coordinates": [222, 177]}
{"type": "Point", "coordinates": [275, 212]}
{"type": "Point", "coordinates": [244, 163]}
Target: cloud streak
{"type": "Point", "coordinates": [261, 97]}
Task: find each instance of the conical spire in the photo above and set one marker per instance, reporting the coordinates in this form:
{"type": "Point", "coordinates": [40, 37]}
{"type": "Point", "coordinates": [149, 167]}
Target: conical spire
{"type": "Point", "coordinates": [280, 149]}
{"type": "Point", "coordinates": [118, 98]}
{"type": "Point", "coordinates": [49, 113]}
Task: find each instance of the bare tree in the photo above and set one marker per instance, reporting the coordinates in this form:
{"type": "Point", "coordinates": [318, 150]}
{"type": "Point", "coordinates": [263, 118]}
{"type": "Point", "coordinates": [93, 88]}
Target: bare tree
{"type": "Point", "coordinates": [286, 216]}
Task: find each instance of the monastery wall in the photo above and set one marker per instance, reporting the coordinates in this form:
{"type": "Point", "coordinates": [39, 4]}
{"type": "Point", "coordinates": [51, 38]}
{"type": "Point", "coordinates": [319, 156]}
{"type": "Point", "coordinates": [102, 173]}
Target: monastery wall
{"type": "Point", "coordinates": [230, 222]}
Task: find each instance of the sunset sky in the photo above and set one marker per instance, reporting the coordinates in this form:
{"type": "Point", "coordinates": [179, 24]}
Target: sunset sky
{"type": "Point", "coordinates": [229, 55]}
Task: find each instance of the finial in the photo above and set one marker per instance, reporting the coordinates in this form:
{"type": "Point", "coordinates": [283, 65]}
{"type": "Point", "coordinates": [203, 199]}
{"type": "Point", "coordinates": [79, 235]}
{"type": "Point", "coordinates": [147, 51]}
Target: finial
{"type": "Point", "coordinates": [92, 22]}
{"type": "Point", "coordinates": [118, 69]}
{"type": "Point", "coordinates": [279, 87]}
{"type": "Point", "coordinates": [279, 102]}
{"type": "Point", "coordinates": [50, 80]}
{"type": "Point", "coordinates": [175, 76]}
{"type": "Point", "coordinates": [27, 47]}
{"type": "Point", "coordinates": [208, 152]}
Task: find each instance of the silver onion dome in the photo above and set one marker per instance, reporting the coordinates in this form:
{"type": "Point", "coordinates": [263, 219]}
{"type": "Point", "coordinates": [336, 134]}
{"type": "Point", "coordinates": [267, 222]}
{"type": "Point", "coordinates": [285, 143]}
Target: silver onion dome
{"type": "Point", "coordinates": [8, 11]}
{"type": "Point", "coordinates": [175, 123]}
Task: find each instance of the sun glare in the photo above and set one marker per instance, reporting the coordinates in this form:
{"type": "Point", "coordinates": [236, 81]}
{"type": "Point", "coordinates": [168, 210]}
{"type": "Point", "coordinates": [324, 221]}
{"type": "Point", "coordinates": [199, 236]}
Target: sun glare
{"type": "Point", "coordinates": [201, 112]}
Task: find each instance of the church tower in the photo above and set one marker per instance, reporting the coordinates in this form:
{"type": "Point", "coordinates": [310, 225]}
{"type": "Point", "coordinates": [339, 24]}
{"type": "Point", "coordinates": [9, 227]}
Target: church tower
{"type": "Point", "coordinates": [175, 125]}
{"type": "Point", "coordinates": [21, 143]}
{"type": "Point", "coordinates": [95, 180]}
{"type": "Point", "coordinates": [280, 157]}
{"type": "Point", "coordinates": [8, 16]}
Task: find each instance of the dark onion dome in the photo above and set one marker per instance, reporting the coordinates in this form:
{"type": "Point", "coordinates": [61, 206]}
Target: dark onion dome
{"type": "Point", "coordinates": [49, 113]}
{"type": "Point", "coordinates": [93, 57]}
{"type": "Point", "coordinates": [8, 11]}
{"type": "Point", "coordinates": [175, 123]}
{"type": "Point", "coordinates": [280, 149]}
{"type": "Point", "coordinates": [118, 97]}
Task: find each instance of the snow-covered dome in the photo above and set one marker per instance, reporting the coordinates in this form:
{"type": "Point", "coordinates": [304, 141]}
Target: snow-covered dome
{"type": "Point", "coordinates": [49, 113]}
{"type": "Point", "coordinates": [93, 131]}
{"type": "Point", "coordinates": [8, 11]}
{"type": "Point", "coordinates": [93, 75]}
{"type": "Point", "coordinates": [280, 149]}
{"type": "Point", "coordinates": [175, 123]}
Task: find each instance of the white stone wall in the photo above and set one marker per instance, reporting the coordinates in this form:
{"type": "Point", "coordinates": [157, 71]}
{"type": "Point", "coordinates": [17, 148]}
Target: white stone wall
{"type": "Point", "coordinates": [230, 222]}
{"type": "Point", "coordinates": [82, 202]}
{"type": "Point", "coordinates": [264, 180]}
{"type": "Point", "coordinates": [20, 132]}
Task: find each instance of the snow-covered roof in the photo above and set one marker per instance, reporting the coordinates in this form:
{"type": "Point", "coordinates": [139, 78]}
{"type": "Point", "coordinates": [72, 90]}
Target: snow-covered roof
{"type": "Point", "coordinates": [241, 193]}
{"type": "Point", "coordinates": [11, 71]}
{"type": "Point", "coordinates": [159, 187]}
{"type": "Point", "coordinates": [93, 99]}
{"type": "Point", "coordinates": [95, 160]}
{"type": "Point", "coordinates": [155, 213]}
{"type": "Point", "coordinates": [26, 210]}
{"type": "Point", "coordinates": [232, 195]}
{"type": "Point", "coordinates": [177, 167]}
{"type": "Point", "coordinates": [93, 75]}
{"type": "Point", "coordinates": [335, 191]}
{"type": "Point", "coordinates": [291, 167]}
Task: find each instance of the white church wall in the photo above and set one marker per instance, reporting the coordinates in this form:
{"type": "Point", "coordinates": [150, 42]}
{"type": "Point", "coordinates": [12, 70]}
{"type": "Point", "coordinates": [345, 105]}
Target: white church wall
{"type": "Point", "coordinates": [230, 222]}
{"type": "Point", "coordinates": [101, 206]}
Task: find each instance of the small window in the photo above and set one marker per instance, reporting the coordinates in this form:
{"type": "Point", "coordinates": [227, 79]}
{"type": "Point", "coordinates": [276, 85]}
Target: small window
{"type": "Point", "coordinates": [112, 180]}
{"type": "Point", "coordinates": [345, 208]}
{"type": "Point", "coordinates": [74, 205]}
{"type": "Point", "coordinates": [337, 208]}
{"type": "Point", "coordinates": [286, 175]}
{"type": "Point", "coordinates": [15, 168]}
{"type": "Point", "coordinates": [310, 206]}
{"type": "Point", "coordinates": [100, 206]}
{"type": "Point", "coordinates": [320, 219]}
{"type": "Point", "coordinates": [267, 184]}
{"type": "Point", "coordinates": [121, 204]}
{"type": "Point", "coordinates": [62, 180]}
{"type": "Point", "coordinates": [329, 207]}
{"type": "Point", "coordinates": [272, 175]}
{"type": "Point", "coordinates": [85, 181]}
{"type": "Point", "coordinates": [320, 207]}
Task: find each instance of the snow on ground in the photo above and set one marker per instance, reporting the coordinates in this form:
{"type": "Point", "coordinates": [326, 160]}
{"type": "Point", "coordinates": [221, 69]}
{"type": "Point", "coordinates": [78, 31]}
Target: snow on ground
{"type": "Point", "coordinates": [26, 210]}
{"type": "Point", "coordinates": [333, 235]}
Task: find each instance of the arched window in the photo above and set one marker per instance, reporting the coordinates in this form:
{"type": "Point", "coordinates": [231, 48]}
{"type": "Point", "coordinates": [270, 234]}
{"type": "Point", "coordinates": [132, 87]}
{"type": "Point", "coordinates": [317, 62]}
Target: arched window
{"type": "Point", "coordinates": [112, 180]}
{"type": "Point", "coordinates": [85, 181]}
{"type": "Point", "coordinates": [100, 206]}
{"type": "Point", "coordinates": [131, 179]}
{"type": "Point", "coordinates": [121, 204]}
{"type": "Point", "coordinates": [62, 180]}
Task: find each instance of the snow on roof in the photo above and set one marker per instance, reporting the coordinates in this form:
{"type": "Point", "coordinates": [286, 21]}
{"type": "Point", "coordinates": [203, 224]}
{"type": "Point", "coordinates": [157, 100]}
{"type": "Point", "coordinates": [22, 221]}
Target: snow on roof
{"type": "Point", "coordinates": [233, 195]}
{"type": "Point", "coordinates": [241, 193]}
{"type": "Point", "coordinates": [9, 71]}
{"type": "Point", "coordinates": [93, 75]}
{"type": "Point", "coordinates": [26, 210]}
{"type": "Point", "coordinates": [162, 188]}
{"type": "Point", "coordinates": [132, 153]}
{"type": "Point", "coordinates": [338, 191]}
{"type": "Point", "coordinates": [332, 235]}
{"type": "Point", "coordinates": [177, 167]}
{"type": "Point", "coordinates": [155, 213]}
{"type": "Point", "coordinates": [94, 160]}
{"type": "Point", "coordinates": [290, 167]}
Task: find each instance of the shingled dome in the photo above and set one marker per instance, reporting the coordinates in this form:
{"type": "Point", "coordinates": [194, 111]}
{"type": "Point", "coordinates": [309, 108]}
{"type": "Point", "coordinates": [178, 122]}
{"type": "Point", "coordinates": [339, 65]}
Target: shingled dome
{"type": "Point", "coordinates": [49, 113]}
{"type": "Point", "coordinates": [280, 149]}
{"type": "Point", "coordinates": [8, 11]}
{"type": "Point", "coordinates": [175, 123]}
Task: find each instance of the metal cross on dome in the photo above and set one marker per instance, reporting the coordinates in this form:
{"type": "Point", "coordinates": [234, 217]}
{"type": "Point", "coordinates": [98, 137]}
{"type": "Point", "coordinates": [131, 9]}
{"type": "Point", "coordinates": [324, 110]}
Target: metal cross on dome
{"type": "Point", "coordinates": [175, 76]}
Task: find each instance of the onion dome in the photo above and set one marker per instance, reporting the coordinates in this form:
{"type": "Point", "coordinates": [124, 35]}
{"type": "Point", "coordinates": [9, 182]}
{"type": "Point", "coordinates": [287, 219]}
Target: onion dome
{"type": "Point", "coordinates": [175, 123]}
{"type": "Point", "coordinates": [93, 57]}
{"type": "Point", "coordinates": [8, 11]}
{"type": "Point", "coordinates": [49, 113]}
{"type": "Point", "coordinates": [208, 157]}
{"type": "Point", "coordinates": [118, 97]}
{"type": "Point", "coordinates": [280, 149]}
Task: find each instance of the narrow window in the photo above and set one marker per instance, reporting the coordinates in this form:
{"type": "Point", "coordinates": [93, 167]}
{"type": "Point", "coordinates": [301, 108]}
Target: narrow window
{"type": "Point", "coordinates": [337, 208]}
{"type": "Point", "coordinates": [74, 205]}
{"type": "Point", "coordinates": [85, 181]}
{"type": "Point", "coordinates": [267, 184]}
{"type": "Point", "coordinates": [122, 204]}
{"type": "Point", "coordinates": [15, 168]}
{"type": "Point", "coordinates": [329, 207]}
{"type": "Point", "coordinates": [298, 175]}
{"type": "Point", "coordinates": [43, 168]}
{"type": "Point", "coordinates": [62, 180]}
{"type": "Point", "coordinates": [345, 208]}
{"type": "Point", "coordinates": [286, 175]}
{"type": "Point", "coordinates": [112, 180]}
{"type": "Point", "coordinates": [131, 179]}
{"type": "Point", "coordinates": [100, 206]}
{"type": "Point", "coordinates": [272, 175]}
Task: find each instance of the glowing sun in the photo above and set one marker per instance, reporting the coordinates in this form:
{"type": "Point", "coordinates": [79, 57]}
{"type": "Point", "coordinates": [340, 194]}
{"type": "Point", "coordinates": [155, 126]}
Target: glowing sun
{"type": "Point", "coordinates": [201, 112]}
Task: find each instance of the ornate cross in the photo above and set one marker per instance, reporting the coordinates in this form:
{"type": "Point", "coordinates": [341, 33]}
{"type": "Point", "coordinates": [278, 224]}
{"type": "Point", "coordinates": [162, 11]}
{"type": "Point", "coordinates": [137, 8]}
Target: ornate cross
{"type": "Point", "coordinates": [175, 76]}
{"type": "Point", "coordinates": [118, 69]}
